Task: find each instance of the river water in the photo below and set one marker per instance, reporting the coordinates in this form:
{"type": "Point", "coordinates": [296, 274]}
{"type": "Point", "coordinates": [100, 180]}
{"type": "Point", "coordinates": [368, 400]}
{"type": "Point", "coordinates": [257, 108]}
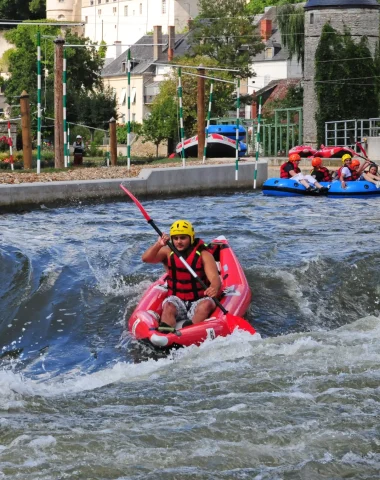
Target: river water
{"type": "Point", "coordinates": [79, 401]}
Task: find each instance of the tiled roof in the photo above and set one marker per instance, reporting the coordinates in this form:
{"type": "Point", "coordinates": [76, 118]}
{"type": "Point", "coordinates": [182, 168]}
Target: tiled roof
{"type": "Point", "coordinates": [142, 55]}
{"type": "Point", "coordinates": [280, 52]}
{"type": "Point", "coordinates": [279, 88]}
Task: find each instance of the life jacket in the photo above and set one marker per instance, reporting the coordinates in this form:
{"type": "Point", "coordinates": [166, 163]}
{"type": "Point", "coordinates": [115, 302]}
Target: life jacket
{"type": "Point", "coordinates": [284, 173]}
{"type": "Point", "coordinates": [321, 175]}
{"type": "Point", "coordinates": [180, 281]}
{"type": "Point", "coordinates": [354, 174]}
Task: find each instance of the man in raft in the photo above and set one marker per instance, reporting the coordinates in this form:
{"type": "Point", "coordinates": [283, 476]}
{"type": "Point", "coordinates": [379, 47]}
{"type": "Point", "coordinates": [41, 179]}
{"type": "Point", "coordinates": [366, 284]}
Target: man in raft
{"type": "Point", "coordinates": [186, 298]}
{"type": "Point", "coordinates": [290, 169]}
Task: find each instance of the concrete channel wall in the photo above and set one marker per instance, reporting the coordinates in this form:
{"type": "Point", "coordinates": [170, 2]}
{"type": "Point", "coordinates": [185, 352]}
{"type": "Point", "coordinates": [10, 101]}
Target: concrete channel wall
{"type": "Point", "coordinates": [151, 182]}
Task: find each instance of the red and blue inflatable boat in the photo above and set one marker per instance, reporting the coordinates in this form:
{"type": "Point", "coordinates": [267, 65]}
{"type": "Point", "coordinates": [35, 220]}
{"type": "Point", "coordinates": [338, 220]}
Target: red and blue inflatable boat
{"type": "Point", "coordinates": [144, 321]}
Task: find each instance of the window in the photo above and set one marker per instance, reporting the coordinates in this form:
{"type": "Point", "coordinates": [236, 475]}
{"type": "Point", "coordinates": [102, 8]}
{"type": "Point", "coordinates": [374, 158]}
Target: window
{"type": "Point", "coordinates": [99, 12]}
{"type": "Point", "coordinates": [61, 17]}
{"type": "Point", "coordinates": [133, 95]}
{"type": "Point", "coordinates": [61, 1]}
{"type": "Point", "coordinates": [114, 10]}
{"type": "Point", "coordinates": [99, 1]}
{"type": "Point", "coordinates": [311, 18]}
{"type": "Point", "coordinates": [163, 6]}
{"type": "Point", "coordinates": [140, 8]}
{"type": "Point", "coordinates": [91, 2]}
{"type": "Point", "coordinates": [123, 96]}
{"type": "Point", "coordinates": [86, 19]}
{"type": "Point", "coordinates": [133, 117]}
{"type": "Point", "coordinates": [123, 118]}
{"type": "Point", "coordinates": [268, 53]}
{"type": "Point", "coordinates": [123, 67]}
{"type": "Point", "coordinates": [126, 11]}
{"type": "Point", "coordinates": [133, 13]}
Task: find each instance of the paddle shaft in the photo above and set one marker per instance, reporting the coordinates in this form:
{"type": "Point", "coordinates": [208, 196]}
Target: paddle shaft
{"type": "Point", "coordinates": [170, 245]}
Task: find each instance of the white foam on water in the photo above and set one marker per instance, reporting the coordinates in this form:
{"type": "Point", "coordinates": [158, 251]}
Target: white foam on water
{"type": "Point", "coordinates": [347, 346]}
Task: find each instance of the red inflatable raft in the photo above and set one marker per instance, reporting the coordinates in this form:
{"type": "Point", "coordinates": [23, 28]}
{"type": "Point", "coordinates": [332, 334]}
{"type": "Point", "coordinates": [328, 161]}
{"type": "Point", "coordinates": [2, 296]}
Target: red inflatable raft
{"type": "Point", "coordinates": [144, 321]}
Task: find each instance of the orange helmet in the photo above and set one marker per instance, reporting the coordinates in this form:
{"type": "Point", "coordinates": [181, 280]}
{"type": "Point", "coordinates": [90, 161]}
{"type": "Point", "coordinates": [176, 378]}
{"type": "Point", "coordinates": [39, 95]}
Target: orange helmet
{"type": "Point", "coordinates": [355, 163]}
{"type": "Point", "coordinates": [294, 157]}
{"type": "Point", "coordinates": [316, 162]}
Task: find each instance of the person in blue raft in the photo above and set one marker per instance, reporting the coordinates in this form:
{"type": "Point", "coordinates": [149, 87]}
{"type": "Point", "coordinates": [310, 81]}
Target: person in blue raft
{"type": "Point", "coordinates": [350, 171]}
{"type": "Point", "coordinates": [290, 169]}
{"type": "Point", "coordinates": [186, 298]}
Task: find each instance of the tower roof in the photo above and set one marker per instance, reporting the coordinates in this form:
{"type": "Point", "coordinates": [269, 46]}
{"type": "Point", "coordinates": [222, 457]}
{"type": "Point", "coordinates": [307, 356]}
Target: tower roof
{"type": "Point", "coordinates": [317, 4]}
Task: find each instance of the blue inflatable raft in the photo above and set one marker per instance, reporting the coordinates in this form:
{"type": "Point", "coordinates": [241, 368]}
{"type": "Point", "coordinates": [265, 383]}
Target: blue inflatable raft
{"type": "Point", "coordinates": [357, 189]}
{"type": "Point", "coordinates": [284, 187]}
{"type": "Point", "coordinates": [228, 131]}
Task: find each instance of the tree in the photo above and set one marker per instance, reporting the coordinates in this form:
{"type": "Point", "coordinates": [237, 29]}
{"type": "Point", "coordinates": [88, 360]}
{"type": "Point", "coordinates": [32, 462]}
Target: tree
{"type": "Point", "coordinates": [291, 22]}
{"type": "Point", "coordinates": [22, 9]}
{"type": "Point", "coordinates": [161, 123]}
{"type": "Point", "coordinates": [258, 6]}
{"type": "Point", "coordinates": [93, 109]}
{"type": "Point", "coordinates": [84, 66]}
{"type": "Point", "coordinates": [122, 132]}
{"type": "Point", "coordinates": [223, 31]}
{"type": "Point", "coordinates": [345, 81]}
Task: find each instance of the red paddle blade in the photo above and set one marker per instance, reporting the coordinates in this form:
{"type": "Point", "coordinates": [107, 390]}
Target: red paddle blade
{"type": "Point", "coordinates": [137, 203]}
{"type": "Point", "coordinates": [238, 322]}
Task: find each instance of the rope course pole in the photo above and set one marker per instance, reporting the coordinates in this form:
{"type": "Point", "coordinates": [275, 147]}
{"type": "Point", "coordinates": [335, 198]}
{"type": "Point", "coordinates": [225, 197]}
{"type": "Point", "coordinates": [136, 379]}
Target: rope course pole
{"type": "Point", "coordinates": [257, 143]}
{"type": "Point", "coordinates": [39, 123]}
{"type": "Point", "coordinates": [10, 145]}
{"type": "Point", "coordinates": [208, 120]}
{"type": "Point", "coordinates": [68, 144]}
{"type": "Point", "coordinates": [64, 78]}
{"type": "Point", "coordinates": [181, 116]}
{"type": "Point", "coordinates": [237, 130]}
{"type": "Point", "coordinates": [129, 108]}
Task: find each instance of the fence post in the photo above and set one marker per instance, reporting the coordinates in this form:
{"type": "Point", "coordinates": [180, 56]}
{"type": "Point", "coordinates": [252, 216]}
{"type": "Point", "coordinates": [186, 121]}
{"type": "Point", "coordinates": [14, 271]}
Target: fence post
{"type": "Point", "coordinates": [58, 103]}
{"type": "Point", "coordinates": [26, 133]}
{"type": "Point", "coordinates": [113, 142]}
{"type": "Point", "coordinates": [201, 110]}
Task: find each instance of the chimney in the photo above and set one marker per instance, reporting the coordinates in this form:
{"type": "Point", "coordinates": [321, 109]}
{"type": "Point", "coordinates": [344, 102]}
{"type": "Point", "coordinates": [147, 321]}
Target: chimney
{"type": "Point", "coordinates": [265, 29]}
{"type": "Point", "coordinates": [117, 48]}
{"type": "Point", "coordinates": [171, 43]}
{"type": "Point", "coordinates": [157, 39]}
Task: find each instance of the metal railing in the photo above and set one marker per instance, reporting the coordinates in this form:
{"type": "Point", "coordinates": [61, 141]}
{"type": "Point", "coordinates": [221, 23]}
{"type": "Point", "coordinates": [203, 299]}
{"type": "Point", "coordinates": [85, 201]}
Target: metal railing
{"type": "Point", "coordinates": [348, 132]}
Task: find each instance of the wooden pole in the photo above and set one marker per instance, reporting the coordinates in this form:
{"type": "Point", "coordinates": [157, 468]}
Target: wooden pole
{"type": "Point", "coordinates": [201, 111]}
{"type": "Point", "coordinates": [26, 133]}
{"type": "Point", "coordinates": [58, 103]}
{"type": "Point", "coordinates": [113, 142]}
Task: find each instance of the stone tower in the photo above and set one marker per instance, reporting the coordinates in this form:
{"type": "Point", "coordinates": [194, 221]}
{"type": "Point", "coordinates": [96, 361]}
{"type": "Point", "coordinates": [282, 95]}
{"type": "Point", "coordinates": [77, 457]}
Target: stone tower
{"type": "Point", "coordinates": [65, 11]}
{"type": "Point", "coordinates": [362, 17]}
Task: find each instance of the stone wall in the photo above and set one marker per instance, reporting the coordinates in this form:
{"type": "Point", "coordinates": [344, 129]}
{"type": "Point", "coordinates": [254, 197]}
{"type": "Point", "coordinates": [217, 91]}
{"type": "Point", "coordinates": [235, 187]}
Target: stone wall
{"type": "Point", "coordinates": [361, 22]}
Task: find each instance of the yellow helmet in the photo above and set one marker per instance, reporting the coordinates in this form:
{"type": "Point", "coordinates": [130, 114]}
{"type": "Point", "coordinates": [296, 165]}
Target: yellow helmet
{"type": "Point", "coordinates": [182, 227]}
{"type": "Point", "coordinates": [345, 157]}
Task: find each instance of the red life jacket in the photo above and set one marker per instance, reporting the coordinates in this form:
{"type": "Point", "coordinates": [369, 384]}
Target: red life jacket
{"type": "Point", "coordinates": [324, 174]}
{"type": "Point", "coordinates": [180, 281]}
{"type": "Point", "coordinates": [284, 173]}
{"type": "Point", "coordinates": [354, 174]}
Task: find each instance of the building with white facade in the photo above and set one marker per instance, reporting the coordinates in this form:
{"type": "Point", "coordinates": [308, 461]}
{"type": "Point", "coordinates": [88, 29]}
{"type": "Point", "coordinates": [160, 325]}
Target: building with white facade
{"type": "Point", "coordinates": [147, 72]}
{"type": "Point", "coordinates": [123, 21]}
